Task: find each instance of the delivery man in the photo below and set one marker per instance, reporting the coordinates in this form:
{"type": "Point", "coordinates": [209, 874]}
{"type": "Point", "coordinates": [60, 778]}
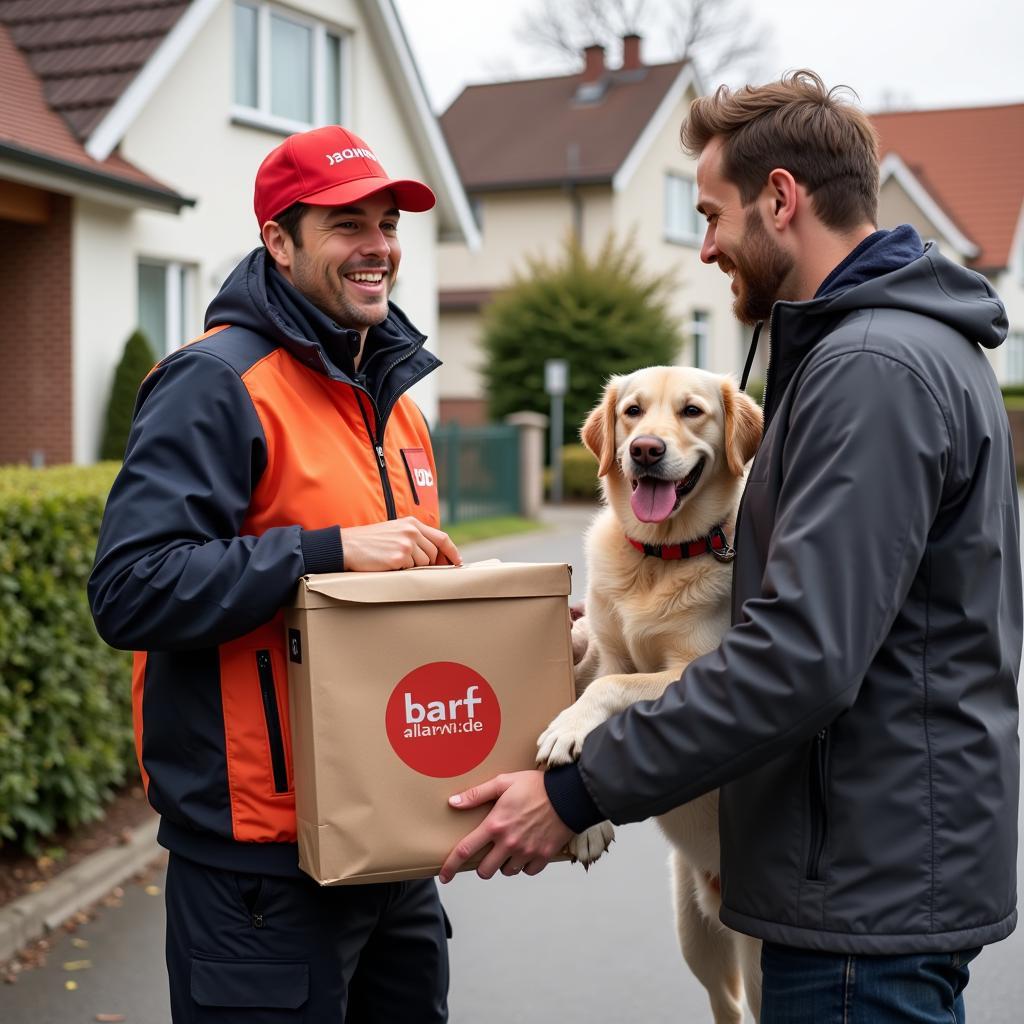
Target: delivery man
{"type": "Point", "coordinates": [279, 443]}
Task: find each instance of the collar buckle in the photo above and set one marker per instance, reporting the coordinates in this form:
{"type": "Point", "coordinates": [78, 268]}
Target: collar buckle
{"type": "Point", "coordinates": [719, 546]}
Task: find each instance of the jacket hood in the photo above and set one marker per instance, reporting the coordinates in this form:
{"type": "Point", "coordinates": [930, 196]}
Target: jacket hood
{"type": "Point", "coordinates": [933, 286]}
{"type": "Point", "coordinates": [247, 299]}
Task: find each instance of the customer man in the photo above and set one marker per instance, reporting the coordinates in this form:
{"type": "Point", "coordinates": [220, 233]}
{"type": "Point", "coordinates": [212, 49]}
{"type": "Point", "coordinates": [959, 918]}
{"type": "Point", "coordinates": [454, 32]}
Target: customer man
{"type": "Point", "coordinates": [280, 443]}
{"type": "Point", "coordinates": [860, 716]}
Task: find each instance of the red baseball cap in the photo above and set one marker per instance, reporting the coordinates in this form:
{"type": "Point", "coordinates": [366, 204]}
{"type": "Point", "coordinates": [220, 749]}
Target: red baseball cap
{"type": "Point", "coordinates": [328, 167]}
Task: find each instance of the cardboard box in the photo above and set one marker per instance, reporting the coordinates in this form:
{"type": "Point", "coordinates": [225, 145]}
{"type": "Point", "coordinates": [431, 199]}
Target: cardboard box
{"type": "Point", "coordinates": [407, 687]}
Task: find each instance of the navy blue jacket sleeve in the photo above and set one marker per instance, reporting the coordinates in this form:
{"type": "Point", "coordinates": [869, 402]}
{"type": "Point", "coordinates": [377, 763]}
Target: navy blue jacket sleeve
{"type": "Point", "coordinates": [171, 571]}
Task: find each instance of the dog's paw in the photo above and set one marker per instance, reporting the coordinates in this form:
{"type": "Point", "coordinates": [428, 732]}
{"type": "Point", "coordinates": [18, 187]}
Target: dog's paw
{"type": "Point", "coordinates": [562, 741]}
{"type": "Point", "coordinates": [589, 845]}
{"type": "Point", "coordinates": [580, 639]}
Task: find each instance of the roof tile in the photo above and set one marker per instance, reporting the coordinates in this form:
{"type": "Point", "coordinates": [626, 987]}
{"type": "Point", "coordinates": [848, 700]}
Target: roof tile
{"type": "Point", "coordinates": [28, 123]}
{"type": "Point", "coordinates": [87, 52]}
{"type": "Point", "coordinates": [971, 161]}
{"type": "Point", "coordinates": [516, 134]}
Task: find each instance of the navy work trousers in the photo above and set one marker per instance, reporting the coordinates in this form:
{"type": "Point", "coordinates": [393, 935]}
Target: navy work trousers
{"type": "Point", "coordinates": [804, 987]}
{"type": "Point", "coordinates": [262, 949]}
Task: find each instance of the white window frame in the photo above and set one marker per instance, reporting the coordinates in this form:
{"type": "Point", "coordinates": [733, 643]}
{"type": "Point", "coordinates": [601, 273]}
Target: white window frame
{"type": "Point", "coordinates": [681, 234]}
{"type": "Point", "coordinates": [260, 116]}
{"type": "Point", "coordinates": [699, 329]}
{"type": "Point", "coordinates": [179, 301]}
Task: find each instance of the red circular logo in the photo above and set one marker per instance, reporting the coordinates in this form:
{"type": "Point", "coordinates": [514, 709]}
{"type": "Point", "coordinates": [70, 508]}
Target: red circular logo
{"type": "Point", "coordinates": [443, 719]}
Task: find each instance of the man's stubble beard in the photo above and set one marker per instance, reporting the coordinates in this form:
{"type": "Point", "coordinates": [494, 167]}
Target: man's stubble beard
{"type": "Point", "coordinates": [327, 292]}
{"type": "Point", "coordinates": [762, 268]}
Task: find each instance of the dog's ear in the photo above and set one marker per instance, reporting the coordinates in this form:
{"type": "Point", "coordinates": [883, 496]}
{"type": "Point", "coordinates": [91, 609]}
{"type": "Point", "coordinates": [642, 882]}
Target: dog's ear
{"type": "Point", "coordinates": [598, 432]}
{"type": "Point", "coordinates": [743, 425]}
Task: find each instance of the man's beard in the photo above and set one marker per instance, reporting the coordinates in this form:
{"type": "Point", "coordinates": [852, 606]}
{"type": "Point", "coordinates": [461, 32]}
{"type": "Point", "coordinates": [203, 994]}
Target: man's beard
{"type": "Point", "coordinates": [760, 271]}
{"type": "Point", "coordinates": [327, 292]}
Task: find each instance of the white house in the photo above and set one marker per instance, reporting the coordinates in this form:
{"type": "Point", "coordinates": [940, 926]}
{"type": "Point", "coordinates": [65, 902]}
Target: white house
{"type": "Point", "coordinates": [589, 153]}
{"type": "Point", "coordinates": [128, 151]}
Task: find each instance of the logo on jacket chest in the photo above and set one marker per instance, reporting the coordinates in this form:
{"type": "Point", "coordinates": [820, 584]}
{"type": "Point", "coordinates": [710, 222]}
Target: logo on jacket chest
{"type": "Point", "coordinates": [421, 475]}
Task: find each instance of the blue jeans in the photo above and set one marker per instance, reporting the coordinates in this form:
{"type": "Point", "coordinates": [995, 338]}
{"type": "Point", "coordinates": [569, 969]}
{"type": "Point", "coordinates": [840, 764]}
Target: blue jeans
{"type": "Point", "coordinates": [803, 987]}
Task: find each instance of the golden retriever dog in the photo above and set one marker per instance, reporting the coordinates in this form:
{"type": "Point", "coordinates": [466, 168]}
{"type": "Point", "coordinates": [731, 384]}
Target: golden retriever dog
{"type": "Point", "coordinates": [672, 445]}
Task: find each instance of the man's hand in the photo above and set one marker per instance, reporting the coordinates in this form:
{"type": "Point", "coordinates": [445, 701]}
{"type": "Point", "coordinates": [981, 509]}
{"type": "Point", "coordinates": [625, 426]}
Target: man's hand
{"type": "Point", "coordinates": [396, 544]}
{"type": "Point", "coordinates": [523, 830]}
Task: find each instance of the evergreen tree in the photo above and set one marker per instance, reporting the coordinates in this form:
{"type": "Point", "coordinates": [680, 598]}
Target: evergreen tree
{"type": "Point", "coordinates": [136, 362]}
{"type": "Point", "coordinates": [603, 315]}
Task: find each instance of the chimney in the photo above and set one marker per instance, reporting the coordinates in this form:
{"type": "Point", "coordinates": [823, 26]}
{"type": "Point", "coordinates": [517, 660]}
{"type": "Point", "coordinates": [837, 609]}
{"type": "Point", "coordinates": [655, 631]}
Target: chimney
{"type": "Point", "coordinates": [631, 52]}
{"type": "Point", "coordinates": [594, 68]}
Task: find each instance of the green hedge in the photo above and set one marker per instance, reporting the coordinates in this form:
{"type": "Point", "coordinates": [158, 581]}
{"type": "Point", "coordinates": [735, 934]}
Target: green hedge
{"type": "Point", "coordinates": [579, 474]}
{"type": "Point", "coordinates": [65, 703]}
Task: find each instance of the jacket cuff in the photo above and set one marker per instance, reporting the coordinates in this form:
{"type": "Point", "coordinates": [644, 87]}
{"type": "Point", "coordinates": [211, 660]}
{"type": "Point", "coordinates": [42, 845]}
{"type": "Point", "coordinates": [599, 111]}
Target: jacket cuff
{"type": "Point", "coordinates": [321, 550]}
{"type": "Point", "coordinates": [570, 799]}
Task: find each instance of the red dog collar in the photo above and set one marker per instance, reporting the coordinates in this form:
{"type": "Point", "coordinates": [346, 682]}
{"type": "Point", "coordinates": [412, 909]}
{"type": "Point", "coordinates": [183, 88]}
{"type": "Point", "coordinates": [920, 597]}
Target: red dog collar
{"type": "Point", "coordinates": [715, 542]}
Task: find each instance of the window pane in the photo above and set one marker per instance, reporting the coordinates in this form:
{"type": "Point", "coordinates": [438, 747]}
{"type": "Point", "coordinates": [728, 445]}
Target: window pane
{"type": "Point", "coordinates": [332, 85]}
{"type": "Point", "coordinates": [153, 305]}
{"type": "Point", "coordinates": [291, 76]}
{"type": "Point", "coordinates": [670, 205]}
{"type": "Point", "coordinates": [681, 218]}
{"type": "Point", "coordinates": [245, 56]}
{"type": "Point", "coordinates": [699, 333]}
{"type": "Point", "coordinates": [690, 227]}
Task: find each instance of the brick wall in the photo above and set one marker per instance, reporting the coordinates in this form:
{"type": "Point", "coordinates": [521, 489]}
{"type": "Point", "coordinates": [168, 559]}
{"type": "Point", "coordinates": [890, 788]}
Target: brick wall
{"type": "Point", "coordinates": [35, 337]}
{"type": "Point", "coordinates": [467, 412]}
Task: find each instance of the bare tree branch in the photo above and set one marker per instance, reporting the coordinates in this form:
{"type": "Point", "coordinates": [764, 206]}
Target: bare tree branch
{"type": "Point", "coordinates": [717, 35]}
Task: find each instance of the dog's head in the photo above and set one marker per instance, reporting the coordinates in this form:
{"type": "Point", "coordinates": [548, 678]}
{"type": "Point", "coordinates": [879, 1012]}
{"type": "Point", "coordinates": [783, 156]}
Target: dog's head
{"type": "Point", "coordinates": [672, 443]}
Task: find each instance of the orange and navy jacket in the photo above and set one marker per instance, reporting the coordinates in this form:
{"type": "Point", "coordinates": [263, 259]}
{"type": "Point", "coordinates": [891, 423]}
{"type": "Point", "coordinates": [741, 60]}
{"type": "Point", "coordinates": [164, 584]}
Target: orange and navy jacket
{"type": "Point", "coordinates": [249, 448]}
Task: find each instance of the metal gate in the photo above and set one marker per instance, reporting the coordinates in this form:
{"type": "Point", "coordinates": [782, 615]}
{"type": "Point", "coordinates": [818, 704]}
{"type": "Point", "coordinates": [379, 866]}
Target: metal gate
{"type": "Point", "coordinates": [478, 471]}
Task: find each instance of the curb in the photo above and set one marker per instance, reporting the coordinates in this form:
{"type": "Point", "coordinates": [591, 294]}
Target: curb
{"type": "Point", "coordinates": [32, 916]}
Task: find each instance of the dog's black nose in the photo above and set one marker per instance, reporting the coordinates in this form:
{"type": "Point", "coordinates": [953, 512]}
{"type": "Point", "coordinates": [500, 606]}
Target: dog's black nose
{"type": "Point", "coordinates": [646, 450]}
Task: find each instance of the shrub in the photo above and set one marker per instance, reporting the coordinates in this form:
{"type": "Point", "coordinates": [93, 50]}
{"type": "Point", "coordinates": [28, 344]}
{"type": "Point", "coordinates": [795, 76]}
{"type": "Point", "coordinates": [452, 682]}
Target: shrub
{"type": "Point", "coordinates": [65, 701]}
{"type": "Point", "coordinates": [136, 362]}
{"type": "Point", "coordinates": [603, 315]}
{"type": "Point", "coordinates": [755, 388]}
{"type": "Point", "coordinates": [579, 474]}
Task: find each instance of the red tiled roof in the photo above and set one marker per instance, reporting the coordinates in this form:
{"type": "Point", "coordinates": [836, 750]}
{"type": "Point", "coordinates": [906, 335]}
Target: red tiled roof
{"type": "Point", "coordinates": [32, 131]}
{"type": "Point", "coordinates": [971, 161]}
{"type": "Point", "coordinates": [536, 132]}
{"type": "Point", "coordinates": [87, 52]}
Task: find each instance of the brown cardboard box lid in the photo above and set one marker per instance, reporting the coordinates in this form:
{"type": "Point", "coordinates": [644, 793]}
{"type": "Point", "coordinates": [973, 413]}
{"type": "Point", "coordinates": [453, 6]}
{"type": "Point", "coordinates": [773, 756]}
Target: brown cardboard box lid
{"type": "Point", "coordinates": [436, 583]}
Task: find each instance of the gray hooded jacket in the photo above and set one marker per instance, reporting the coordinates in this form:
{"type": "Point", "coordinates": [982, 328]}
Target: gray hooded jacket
{"type": "Point", "coordinates": [861, 715]}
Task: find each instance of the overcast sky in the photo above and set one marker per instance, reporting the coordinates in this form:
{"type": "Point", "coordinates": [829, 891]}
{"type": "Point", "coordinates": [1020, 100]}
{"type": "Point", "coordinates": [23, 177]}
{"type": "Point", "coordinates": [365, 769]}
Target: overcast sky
{"type": "Point", "coordinates": [896, 53]}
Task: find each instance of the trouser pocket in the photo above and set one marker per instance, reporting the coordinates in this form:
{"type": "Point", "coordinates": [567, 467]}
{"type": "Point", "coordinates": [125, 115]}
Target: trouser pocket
{"type": "Point", "coordinates": [248, 991]}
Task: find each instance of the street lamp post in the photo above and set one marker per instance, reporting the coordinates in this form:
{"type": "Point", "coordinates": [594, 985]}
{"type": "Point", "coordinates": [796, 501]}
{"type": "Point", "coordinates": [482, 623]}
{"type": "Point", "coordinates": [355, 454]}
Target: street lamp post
{"type": "Point", "coordinates": [556, 383]}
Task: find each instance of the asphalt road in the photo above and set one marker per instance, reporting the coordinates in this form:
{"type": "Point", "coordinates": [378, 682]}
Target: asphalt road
{"type": "Point", "coordinates": [568, 946]}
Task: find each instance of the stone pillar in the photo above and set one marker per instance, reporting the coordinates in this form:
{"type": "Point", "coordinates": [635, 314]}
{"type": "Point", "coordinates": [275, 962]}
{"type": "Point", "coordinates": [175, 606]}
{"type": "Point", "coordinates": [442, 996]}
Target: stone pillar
{"type": "Point", "coordinates": [532, 427]}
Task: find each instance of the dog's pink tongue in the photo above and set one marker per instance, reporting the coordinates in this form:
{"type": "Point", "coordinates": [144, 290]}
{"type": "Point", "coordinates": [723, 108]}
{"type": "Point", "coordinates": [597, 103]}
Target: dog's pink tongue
{"type": "Point", "coordinates": [653, 500]}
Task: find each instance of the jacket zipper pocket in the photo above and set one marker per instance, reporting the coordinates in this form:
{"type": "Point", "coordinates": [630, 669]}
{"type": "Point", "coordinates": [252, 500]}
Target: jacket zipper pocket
{"type": "Point", "coordinates": [270, 712]}
{"type": "Point", "coordinates": [818, 792]}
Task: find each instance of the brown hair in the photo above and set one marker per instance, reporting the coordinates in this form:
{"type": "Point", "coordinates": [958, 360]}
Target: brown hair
{"type": "Point", "coordinates": [290, 220]}
{"type": "Point", "coordinates": [828, 145]}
